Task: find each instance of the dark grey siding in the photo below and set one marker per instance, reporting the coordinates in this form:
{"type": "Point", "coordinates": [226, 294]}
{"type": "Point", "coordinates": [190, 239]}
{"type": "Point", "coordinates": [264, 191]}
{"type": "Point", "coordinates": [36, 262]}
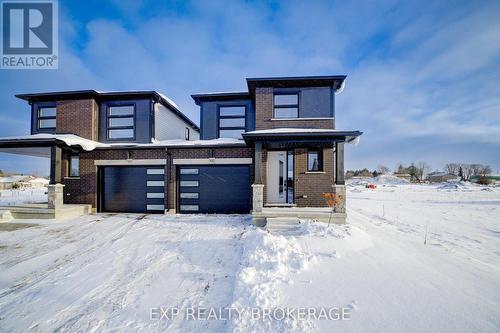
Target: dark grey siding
{"type": "Point", "coordinates": [34, 117]}
{"type": "Point", "coordinates": [143, 119]}
{"type": "Point", "coordinates": [314, 102]}
{"type": "Point", "coordinates": [209, 113]}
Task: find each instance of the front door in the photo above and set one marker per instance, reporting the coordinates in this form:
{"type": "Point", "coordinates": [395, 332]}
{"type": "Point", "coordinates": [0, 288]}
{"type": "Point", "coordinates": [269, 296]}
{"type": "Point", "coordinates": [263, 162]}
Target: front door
{"type": "Point", "coordinates": [279, 177]}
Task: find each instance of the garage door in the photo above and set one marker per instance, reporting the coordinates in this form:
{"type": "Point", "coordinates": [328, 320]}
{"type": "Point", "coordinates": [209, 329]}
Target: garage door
{"type": "Point", "coordinates": [137, 189]}
{"type": "Point", "coordinates": [222, 189]}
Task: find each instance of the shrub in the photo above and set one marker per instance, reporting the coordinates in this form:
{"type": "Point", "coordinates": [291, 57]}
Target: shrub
{"type": "Point", "coordinates": [484, 180]}
{"type": "Point", "coordinates": [15, 186]}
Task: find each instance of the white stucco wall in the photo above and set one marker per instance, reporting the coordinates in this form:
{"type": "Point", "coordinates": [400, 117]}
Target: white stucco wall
{"type": "Point", "coordinates": [169, 126]}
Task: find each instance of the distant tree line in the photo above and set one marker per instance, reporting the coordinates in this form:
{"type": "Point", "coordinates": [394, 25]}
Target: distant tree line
{"type": "Point", "coordinates": [466, 171]}
{"type": "Point", "coordinates": [418, 171]}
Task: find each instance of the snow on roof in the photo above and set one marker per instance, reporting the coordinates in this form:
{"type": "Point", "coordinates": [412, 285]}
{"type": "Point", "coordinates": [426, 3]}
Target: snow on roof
{"type": "Point", "coordinates": [169, 100]}
{"type": "Point", "coordinates": [293, 130]}
{"type": "Point", "coordinates": [13, 179]}
{"type": "Point", "coordinates": [88, 145]}
{"type": "Point", "coordinates": [212, 142]}
{"type": "Point", "coordinates": [39, 180]}
{"type": "Point", "coordinates": [69, 139]}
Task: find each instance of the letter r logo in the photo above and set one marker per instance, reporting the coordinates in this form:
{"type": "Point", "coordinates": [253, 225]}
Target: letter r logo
{"type": "Point", "coordinates": [27, 27]}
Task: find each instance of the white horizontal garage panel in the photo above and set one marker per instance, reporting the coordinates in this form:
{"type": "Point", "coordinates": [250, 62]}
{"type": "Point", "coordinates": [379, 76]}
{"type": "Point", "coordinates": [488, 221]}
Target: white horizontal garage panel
{"type": "Point", "coordinates": [205, 161]}
{"type": "Point", "coordinates": [155, 183]}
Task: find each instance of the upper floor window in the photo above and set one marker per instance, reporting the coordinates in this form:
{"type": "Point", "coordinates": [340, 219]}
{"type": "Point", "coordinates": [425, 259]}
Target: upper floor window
{"type": "Point", "coordinates": [121, 122]}
{"type": "Point", "coordinates": [47, 117]}
{"type": "Point", "coordinates": [286, 105]}
{"type": "Point", "coordinates": [231, 121]}
{"type": "Point", "coordinates": [186, 134]}
{"type": "Point", "coordinates": [315, 160]}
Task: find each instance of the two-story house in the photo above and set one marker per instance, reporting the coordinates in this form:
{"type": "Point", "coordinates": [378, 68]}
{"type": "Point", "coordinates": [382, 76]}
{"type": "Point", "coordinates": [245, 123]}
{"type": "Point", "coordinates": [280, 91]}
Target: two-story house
{"type": "Point", "coordinates": [272, 150]}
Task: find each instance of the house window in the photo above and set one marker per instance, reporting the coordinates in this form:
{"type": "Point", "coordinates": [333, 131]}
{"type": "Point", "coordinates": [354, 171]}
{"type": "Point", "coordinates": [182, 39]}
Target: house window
{"type": "Point", "coordinates": [47, 117]}
{"type": "Point", "coordinates": [315, 160]}
{"type": "Point", "coordinates": [286, 105]}
{"type": "Point", "coordinates": [74, 166]}
{"type": "Point", "coordinates": [121, 122]}
{"type": "Point", "coordinates": [231, 121]}
{"type": "Point", "coordinates": [186, 134]}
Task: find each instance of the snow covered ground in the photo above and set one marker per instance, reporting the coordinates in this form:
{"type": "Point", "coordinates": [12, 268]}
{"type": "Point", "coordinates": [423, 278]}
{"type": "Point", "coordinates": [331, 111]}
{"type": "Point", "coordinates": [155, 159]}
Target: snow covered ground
{"type": "Point", "coordinates": [22, 196]}
{"type": "Point", "coordinates": [106, 272]}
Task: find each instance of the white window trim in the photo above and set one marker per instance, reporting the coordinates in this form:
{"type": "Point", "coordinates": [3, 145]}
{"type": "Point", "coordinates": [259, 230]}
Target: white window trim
{"type": "Point", "coordinates": [202, 161]}
{"type": "Point", "coordinates": [131, 162]}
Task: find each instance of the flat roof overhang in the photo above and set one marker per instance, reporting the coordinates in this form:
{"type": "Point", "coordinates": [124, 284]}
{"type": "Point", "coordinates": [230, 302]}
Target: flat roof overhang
{"type": "Point", "coordinates": [33, 147]}
{"type": "Point", "coordinates": [325, 139]}
{"type": "Point", "coordinates": [334, 81]}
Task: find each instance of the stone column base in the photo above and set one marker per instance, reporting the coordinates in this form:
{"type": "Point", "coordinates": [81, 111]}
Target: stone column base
{"type": "Point", "coordinates": [340, 190]}
{"type": "Point", "coordinates": [257, 198]}
{"type": "Point", "coordinates": [55, 196]}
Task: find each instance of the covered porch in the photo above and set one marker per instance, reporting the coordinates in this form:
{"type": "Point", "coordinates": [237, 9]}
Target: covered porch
{"type": "Point", "coordinates": [55, 149]}
{"type": "Point", "coordinates": [297, 171]}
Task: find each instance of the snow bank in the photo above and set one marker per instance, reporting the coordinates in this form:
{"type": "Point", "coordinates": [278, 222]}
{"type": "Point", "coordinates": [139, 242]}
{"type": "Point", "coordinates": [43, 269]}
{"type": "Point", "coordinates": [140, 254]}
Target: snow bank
{"type": "Point", "coordinates": [389, 180]}
{"type": "Point", "coordinates": [267, 262]}
{"type": "Point", "coordinates": [453, 186]}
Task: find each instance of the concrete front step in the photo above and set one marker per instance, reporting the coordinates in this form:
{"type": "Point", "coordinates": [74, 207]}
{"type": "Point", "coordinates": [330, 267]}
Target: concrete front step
{"type": "Point", "coordinates": [5, 216]}
{"type": "Point", "coordinates": [41, 211]}
{"type": "Point", "coordinates": [283, 225]}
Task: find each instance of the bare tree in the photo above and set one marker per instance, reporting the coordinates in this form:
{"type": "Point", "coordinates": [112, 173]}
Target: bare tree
{"type": "Point", "coordinates": [400, 168]}
{"type": "Point", "coordinates": [466, 171]}
{"type": "Point", "coordinates": [452, 168]}
{"type": "Point", "coordinates": [382, 169]}
{"type": "Point", "coordinates": [485, 170]}
{"type": "Point", "coordinates": [422, 169]}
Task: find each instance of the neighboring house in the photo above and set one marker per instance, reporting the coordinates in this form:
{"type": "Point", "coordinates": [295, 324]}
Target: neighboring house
{"type": "Point", "coordinates": [38, 182]}
{"type": "Point", "coordinates": [273, 145]}
{"type": "Point", "coordinates": [22, 182]}
{"type": "Point", "coordinates": [440, 177]}
{"type": "Point", "coordinates": [405, 176]}
{"type": "Point", "coordinates": [8, 182]}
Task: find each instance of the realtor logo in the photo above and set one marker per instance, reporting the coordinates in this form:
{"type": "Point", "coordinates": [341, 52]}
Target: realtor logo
{"type": "Point", "coordinates": [29, 35]}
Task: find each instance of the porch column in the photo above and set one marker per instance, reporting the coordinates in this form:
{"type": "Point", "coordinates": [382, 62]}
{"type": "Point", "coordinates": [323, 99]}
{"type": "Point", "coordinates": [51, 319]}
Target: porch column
{"type": "Point", "coordinates": [257, 187]}
{"type": "Point", "coordinates": [258, 163]}
{"type": "Point", "coordinates": [339, 186]}
{"type": "Point", "coordinates": [339, 168]}
{"type": "Point", "coordinates": [55, 189]}
{"type": "Point", "coordinates": [55, 164]}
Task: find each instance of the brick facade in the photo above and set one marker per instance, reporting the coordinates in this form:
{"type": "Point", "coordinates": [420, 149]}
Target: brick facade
{"type": "Point", "coordinates": [84, 189]}
{"type": "Point", "coordinates": [309, 186]}
{"type": "Point", "coordinates": [264, 110]}
{"type": "Point", "coordinates": [79, 117]}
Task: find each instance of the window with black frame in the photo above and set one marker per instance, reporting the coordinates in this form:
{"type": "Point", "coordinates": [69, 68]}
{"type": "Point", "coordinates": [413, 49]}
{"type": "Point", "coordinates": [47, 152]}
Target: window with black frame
{"type": "Point", "coordinates": [47, 117]}
{"type": "Point", "coordinates": [121, 122]}
{"type": "Point", "coordinates": [231, 121]}
{"type": "Point", "coordinates": [315, 160]}
{"type": "Point", "coordinates": [74, 166]}
{"type": "Point", "coordinates": [286, 105]}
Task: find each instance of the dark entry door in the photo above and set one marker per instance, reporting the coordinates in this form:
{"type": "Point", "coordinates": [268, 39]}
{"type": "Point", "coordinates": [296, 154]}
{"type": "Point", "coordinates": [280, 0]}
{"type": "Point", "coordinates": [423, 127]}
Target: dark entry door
{"type": "Point", "coordinates": [222, 189]}
{"type": "Point", "coordinates": [137, 189]}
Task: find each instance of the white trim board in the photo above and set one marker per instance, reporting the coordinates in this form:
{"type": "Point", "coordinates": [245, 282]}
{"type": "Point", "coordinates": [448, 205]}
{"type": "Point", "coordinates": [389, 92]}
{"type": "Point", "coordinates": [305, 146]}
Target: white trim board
{"type": "Point", "coordinates": [131, 162]}
{"type": "Point", "coordinates": [201, 161]}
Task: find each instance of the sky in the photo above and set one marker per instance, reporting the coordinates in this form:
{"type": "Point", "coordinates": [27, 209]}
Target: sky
{"type": "Point", "coordinates": [422, 76]}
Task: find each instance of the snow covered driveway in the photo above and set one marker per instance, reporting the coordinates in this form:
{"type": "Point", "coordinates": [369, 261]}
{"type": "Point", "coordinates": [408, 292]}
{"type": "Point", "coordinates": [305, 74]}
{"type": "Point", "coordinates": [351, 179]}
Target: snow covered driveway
{"type": "Point", "coordinates": [107, 271]}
